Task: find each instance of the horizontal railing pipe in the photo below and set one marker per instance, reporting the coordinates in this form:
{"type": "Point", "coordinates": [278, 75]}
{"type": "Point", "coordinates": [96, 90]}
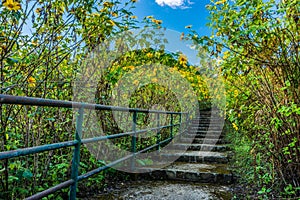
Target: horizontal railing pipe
{"type": "Point", "coordinates": [51, 190]}
{"type": "Point", "coordinates": [20, 100]}
{"type": "Point", "coordinates": [36, 149]}
{"type": "Point", "coordinates": [113, 136]}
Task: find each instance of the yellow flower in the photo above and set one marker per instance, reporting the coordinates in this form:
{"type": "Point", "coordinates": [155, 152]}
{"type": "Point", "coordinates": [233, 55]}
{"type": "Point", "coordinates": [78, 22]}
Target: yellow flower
{"type": "Point", "coordinates": [107, 4]}
{"type": "Point", "coordinates": [149, 55]}
{"type": "Point", "coordinates": [235, 126]}
{"type": "Point", "coordinates": [38, 10]}
{"type": "Point", "coordinates": [235, 93]}
{"type": "Point", "coordinates": [220, 2]}
{"type": "Point", "coordinates": [11, 5]}
{"type": "Point", "coordinates": [133, 17]}
{"type": "Point", "coordinates": [114, 14]}
{"type": "Point", "coordinates": [226, 54]}
{"type": "Point", "coordinates": [35, 42]}
{"type": "Point", "coordinates": [131, 67]}
{"type": "Point", "coordinates": [133, 1]}
{"type": "Point", "coordinates": [154, 80]}
{"type": "Point", "coordinates": [31, 81]}
{"type": "Point", "coordinates": [182, 59]}
{"type": "Point", "coordinates": [112, 22]}
{"type": "Point", "coordinates": [95, 14]}
{"type": "Point", "coordinates": [156, 21]}
{"type": "Point", "coordinates": [135, 82]}
{"type": "Point", "coordinates": [171, 69]}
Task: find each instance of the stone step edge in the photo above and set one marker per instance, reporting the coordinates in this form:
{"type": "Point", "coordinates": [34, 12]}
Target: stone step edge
{"type": "Point", "coordinates": [195, 158]}
{"type": "Point", "coordinates": [211, 141]}
{"type": "Point", "coordinates": [184, 175]}
{"type": "Point", "coordinates": [202, 135]}
{"type": "Point", "coordinates": [203, 147]}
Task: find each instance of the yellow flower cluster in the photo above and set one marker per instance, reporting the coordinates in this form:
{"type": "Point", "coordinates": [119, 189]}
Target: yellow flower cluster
{"type": "Point", "coordinates": [112, 22]}
{"type": "Point", "coordinates": [136, 82]}
{"type": "Point", "coordinates": [156, 21]}
{"type": "Point", "coordinates": [31, 81]}
{"type": "Point", "coordinates": [235, 126]}
{"type": "Point", "coordinates": [114, 14]}
{"type": "Point", "coordinates": [35, 43]}
{"type": "Point", "coordinates": [226, 54]}
{"type": "Point", "coordinates": [154, 80]}
{"type": "Point", "coordinates": [12, 5]}
{"type": "Point", "coordinates": [220, 2]}
{"type": "Point", "coordinates": [38, 10]}
{"type": "Point", "coordinates": [182, 59]}
{"type": "Point", "coordinates": [131, 67]}
{"type": "Point", "coordinates": [235, 93]}
{"type": "Point", "coordinates": [149, 55]}
{"type": "Point", "coordinates": [108, 4]}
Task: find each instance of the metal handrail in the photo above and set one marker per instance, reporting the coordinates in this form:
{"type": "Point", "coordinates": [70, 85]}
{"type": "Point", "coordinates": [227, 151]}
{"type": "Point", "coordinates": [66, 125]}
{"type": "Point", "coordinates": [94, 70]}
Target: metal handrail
{"type": "Point", "coordinates": [78, 141]}
{"type": "Point", "coordinates": [32, 101]}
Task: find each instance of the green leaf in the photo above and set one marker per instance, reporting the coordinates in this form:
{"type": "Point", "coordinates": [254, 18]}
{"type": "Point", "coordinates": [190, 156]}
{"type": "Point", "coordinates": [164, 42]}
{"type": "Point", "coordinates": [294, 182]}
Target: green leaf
{"type": "Point", "coordinates": [141, 162]}
{"type": "Point", "coordinates": [12, 61]}
{"type": "Point", "coordinates": [27, 174]}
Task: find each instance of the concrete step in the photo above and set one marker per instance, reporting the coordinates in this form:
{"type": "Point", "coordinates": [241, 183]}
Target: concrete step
{"type": "Point", "coordinates": [202, 140]}
{"type": "Point", "coordinates": [205, 128]}
{"type": "Point", "coordinates": [195, 172]}
{"type": "Point", "coordinates": [208, 114]}
{"type": "Point", "coordinates": [202, 147]}
{"type": "Point", "coordinates": [206, 122]}
{"type": "Point", "coordinates": [210, 131]}
{"type": "Point", "coordinates": [206, 119]}
{"type": "Point", "coordinates": [204, 135]}
{"type": "Point", "coordinates": [195, 156]}
{"type": "Point", "coordinates": [206, 125]}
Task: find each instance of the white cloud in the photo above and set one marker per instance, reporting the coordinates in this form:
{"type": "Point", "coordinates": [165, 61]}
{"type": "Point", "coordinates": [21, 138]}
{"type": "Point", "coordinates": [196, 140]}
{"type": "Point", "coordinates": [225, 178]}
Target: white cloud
{"type": "Point", "coordinates": [183, 4]}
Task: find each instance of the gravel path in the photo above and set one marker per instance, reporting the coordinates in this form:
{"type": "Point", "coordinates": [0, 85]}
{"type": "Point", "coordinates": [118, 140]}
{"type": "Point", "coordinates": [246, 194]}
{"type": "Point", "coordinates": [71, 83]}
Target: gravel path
{"type": "Point", "coordinates": [165, 190]}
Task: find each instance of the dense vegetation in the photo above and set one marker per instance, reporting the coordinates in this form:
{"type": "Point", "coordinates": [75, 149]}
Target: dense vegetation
{"type": "Point", "coordinates": [255, 45]}
{"type": "Point", "coordinates": [259, 42]}
{"type": "Point", "coordinates": [42, 46]}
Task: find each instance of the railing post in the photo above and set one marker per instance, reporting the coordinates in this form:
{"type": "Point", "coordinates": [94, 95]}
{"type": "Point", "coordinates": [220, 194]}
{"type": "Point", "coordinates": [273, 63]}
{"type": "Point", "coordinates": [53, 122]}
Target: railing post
{"type": "Point", "coordinates": [158, 133]}
{"type": "Point", "coordinates": [171, 124]}
{"type": "Point", "coordinates": [187, 120]}
{"type": "Point", "coordinates": [180, 118]}
{"type": "Point", "coordinates": [180, 122]}
{"type": "Point", "coordinates": [133, 139]}
{"type": "Point", "coordinates": [76, 154]}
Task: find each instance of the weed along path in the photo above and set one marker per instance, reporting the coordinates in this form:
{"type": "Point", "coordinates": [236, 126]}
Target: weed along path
{"type": "Point", "coordinates": [199, 172]}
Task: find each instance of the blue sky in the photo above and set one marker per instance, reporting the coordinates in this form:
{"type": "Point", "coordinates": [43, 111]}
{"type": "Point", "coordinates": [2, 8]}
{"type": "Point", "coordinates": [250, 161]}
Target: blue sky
{"type": "Point", "coordinates": [176, 14]}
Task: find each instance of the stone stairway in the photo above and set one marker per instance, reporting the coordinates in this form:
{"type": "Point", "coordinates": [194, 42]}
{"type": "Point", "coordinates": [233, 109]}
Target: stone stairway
{"type": "Point", "coordinates": [201, 153]}
{"type": "Point", "coordinates": [198, 169]}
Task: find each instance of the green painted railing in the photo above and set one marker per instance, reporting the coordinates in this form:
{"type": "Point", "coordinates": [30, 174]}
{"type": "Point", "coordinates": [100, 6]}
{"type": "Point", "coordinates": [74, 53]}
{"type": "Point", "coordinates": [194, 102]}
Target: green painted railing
{"type": "Point", "coordinates": [78, 141]}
